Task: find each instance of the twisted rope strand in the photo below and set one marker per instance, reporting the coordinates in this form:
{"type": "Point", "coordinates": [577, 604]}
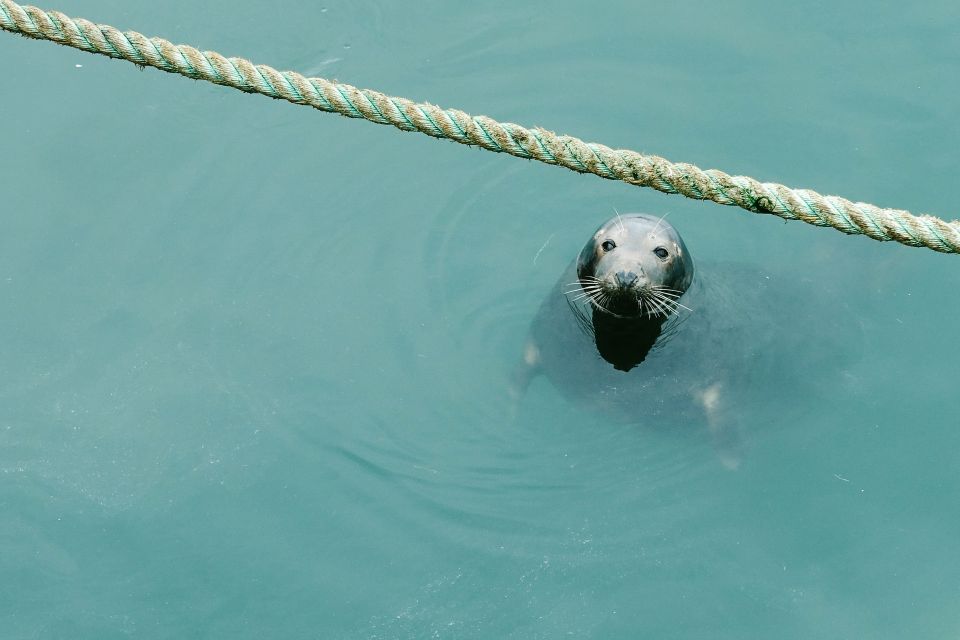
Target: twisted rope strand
{"type": "Point", "coordinates": [537, 144]}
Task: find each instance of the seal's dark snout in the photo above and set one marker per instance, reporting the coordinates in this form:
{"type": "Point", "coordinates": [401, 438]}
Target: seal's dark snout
{"type": "Point", "coordinates": [626, 279]}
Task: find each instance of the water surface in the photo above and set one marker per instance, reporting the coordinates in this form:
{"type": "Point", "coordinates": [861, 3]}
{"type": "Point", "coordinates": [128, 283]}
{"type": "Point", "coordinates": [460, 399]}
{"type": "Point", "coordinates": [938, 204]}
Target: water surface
{"type": "Point", "coordinates": [255, 357]}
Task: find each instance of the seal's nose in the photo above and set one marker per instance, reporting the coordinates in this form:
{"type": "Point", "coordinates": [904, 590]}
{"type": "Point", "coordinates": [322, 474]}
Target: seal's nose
{"type": "Point", "coordinates": [626, 278]}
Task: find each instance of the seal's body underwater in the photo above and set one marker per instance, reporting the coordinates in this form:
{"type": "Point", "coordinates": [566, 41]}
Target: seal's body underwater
{"type": "Point", "coordinates": [632, 330]}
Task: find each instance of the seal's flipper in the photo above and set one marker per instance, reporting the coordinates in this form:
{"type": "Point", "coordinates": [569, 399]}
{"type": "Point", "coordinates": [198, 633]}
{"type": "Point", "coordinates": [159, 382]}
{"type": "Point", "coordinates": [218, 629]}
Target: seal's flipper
{"type": "Point", "coordinates": [723, 429]}
{"type": "Point", "coordinates": [525, 371]}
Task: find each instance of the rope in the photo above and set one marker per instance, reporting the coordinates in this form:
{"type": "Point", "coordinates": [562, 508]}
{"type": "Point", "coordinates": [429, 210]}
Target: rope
{"type": "Point", "coordinates": [504, 137]}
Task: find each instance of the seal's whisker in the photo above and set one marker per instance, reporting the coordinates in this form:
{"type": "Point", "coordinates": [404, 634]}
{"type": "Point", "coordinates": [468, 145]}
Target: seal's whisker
{"type": "Point", "coordinates": [664, 296]}
{"type": "Point", "coordinates": [652, 310]}
{"type": "Point", "coordinates": [679, 305]}
{"type": "Point", "coordinates": [581, 289]}
{"type": "Point", "coordinates": [664, 310]}
{"type": "Point", "coordinates": [580, 283]}
{"type": "Point", "coordinates": [672, 304]}
{"type": "Point", "coordinates": [667, 290]}
{"type": "Point", "coordinates": [592, 292]}
{"type": "Point", "coordinates": [669, 302]}
{"type": "Point", "coordinates": [667, 307]}
{"type": "Point", "coordinates": [605, 297]}
{"type": "Point", "coordinates": [658, 222]}
{"type": "Point", "coordinates": [658, 307]}
{"type": "Point", "coordinates": [576, 286]}
{"type": "Point", "coordinates": [667, 295]}
{"type": "Point", "coordinates": [619, 220]}
{"type": "Point", "coordinates": [660, 287]}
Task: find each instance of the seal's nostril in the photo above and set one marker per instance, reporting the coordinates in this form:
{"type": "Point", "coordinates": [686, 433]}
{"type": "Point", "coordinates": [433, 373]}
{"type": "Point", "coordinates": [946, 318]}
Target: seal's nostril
{"type": "Point", "coordinates": [626, 278]}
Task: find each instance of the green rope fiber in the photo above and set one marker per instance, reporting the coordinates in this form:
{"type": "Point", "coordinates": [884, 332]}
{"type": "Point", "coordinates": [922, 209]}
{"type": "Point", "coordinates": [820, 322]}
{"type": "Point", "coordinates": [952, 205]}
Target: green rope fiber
{"type": "Point", "coordinates": [535, 144]}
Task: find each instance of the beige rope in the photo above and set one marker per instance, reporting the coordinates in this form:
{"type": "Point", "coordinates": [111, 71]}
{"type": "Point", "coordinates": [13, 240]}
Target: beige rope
{"type": "Point", "coordinates": [538, 144]}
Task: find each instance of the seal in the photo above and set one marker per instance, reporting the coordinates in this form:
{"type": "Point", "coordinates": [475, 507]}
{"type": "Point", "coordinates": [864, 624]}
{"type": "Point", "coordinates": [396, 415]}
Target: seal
{"type": "Point", "coordinates": [633, 271]}
{"type": "Point", "coordinates": [634, 331]}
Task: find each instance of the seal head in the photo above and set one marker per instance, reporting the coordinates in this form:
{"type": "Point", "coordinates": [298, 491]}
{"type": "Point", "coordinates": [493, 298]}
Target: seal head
{"type": "Point", "coordinates": [635, 266]}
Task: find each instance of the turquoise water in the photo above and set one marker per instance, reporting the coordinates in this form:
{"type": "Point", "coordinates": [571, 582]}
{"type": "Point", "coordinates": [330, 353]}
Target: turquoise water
{"type": "Point", "coordinates": [256, 358]}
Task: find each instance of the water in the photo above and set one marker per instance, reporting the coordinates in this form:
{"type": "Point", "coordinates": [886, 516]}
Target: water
{"type": "Point", "coordinates": [255, 357]}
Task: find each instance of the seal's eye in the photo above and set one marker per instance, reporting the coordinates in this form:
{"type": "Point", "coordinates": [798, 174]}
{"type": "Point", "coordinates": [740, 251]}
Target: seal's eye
{"type": "Point", "coordinates": [608, 245]}
{"type": "Point", "coordinates": [661, 253]}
